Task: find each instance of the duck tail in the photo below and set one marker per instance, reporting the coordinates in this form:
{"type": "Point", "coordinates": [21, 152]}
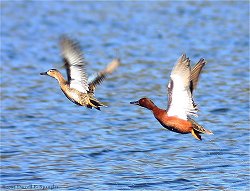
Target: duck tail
{"type": "Point", "coordinates": [199, 128]}
{"type": "Point", "coordinates": [95, 103]}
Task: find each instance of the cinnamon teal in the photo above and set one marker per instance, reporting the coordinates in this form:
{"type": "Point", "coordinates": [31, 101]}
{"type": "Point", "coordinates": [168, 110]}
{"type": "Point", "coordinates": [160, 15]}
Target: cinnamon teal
{"type": "Point", "coordinates": [181, 105]}
{"type": "Point", "coordinates": [77, 88]}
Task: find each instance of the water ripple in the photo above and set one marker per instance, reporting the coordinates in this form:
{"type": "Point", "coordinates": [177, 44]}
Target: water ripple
{"type": "Point", "coordinates": [47, 140]}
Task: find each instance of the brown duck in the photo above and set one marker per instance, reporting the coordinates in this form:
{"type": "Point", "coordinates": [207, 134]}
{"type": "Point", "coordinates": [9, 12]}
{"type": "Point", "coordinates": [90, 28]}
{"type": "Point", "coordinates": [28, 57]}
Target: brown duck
{"type": "Point", "coordinates": [77, 88]}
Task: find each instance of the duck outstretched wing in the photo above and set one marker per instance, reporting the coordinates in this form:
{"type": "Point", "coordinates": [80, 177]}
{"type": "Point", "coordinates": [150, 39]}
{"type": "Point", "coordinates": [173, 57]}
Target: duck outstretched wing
{"type": "Point", "coordinates": [180, 101]}
{"type": "Point", "coordinates": [75, 64]}
{"type": "Point", "coordinates": [100, 76]}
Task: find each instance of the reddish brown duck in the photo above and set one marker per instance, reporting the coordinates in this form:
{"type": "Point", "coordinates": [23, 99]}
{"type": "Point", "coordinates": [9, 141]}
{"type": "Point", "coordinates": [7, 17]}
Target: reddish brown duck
{"type": "Point", "coordinates": [181, 105]}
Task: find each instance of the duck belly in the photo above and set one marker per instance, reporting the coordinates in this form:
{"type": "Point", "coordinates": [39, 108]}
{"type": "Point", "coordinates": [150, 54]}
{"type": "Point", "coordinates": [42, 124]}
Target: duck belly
{"type": "Point", "coordinates": [176, 125]}
{"type": "Point", "coordinates": [74, 97]}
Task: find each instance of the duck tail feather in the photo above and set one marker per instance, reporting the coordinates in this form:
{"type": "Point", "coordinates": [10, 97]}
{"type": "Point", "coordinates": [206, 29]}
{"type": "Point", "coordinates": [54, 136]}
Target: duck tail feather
{"type": "Point", "coordinates": [199, 128]}
{"type": "Point", "coordinates": [96, 103]}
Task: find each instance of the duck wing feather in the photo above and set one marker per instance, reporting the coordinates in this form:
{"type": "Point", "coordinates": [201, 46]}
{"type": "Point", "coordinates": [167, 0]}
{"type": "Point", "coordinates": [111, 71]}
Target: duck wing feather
{"type": "Point", "coordinates": [100, 76]}
{"type": "Point", "coordinates": [180, 101]}
{"type": "Point", "coordinates": [75, 64]}
{"type": "Point", "coordinates": [195, 73]}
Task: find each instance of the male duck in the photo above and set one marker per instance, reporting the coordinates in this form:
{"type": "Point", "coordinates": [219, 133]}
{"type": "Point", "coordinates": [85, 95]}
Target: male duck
{"type": "Point", "coordinates": [77, 88]}
{"type": "Point", "coordinates": [176, 118]}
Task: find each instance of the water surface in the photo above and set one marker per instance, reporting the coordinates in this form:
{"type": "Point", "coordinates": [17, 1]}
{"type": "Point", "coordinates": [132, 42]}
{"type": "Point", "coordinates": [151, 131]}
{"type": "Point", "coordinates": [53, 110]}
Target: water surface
{"type": "Point", "coordinates": [46, 140]}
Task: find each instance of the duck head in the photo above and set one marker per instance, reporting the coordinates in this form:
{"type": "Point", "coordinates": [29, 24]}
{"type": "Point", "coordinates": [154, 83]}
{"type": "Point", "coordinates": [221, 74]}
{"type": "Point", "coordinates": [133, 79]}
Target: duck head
{"type": "Point", "coordinates": [144, 102]}
{"type": "Point", "coordinates": [52, 72]}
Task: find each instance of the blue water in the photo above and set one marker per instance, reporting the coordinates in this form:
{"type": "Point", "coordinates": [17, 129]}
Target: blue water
{"type": "Point", "coordinates": [46, 140]}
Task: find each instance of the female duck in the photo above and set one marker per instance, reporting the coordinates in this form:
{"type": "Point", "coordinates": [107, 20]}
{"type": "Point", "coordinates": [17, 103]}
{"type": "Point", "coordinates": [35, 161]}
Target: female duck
{"type": "Point", "coordinates": [77, 88]}
{"type": "Point", "coordinates": [181, 105]}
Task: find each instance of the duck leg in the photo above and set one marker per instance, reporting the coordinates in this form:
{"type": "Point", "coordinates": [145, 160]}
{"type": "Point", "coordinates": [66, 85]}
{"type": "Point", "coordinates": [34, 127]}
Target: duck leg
{"type": "Point", "coordinates": [196, 135]}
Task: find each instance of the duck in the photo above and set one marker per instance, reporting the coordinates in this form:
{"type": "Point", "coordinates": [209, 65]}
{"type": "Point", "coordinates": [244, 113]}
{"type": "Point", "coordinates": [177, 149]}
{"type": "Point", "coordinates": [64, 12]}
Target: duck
{"type": "Point", "coordinates": [181, 106]}
{"type": "Point", "coordinates": [78, 88]}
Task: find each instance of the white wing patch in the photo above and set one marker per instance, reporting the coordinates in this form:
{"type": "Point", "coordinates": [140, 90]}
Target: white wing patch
{"type": "Point", "coordinates": [75, 64]}
{"type": "Point", "coordinates": [180, 98]}
{"type": "Point", "coordinates": [78, 81]}
{"type": "Point", "coordinates": [181, 102]}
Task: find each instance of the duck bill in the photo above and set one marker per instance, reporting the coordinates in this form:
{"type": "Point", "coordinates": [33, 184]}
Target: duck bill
{"type": "Point", "coordinates": [43, 73]}
{"type": "Point", "coordinates": [135, 102]}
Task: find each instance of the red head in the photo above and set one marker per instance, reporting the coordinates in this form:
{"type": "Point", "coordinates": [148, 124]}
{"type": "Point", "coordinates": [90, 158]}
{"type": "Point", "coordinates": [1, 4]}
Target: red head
{"type": "Point", "coordinates": [144, 102]}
